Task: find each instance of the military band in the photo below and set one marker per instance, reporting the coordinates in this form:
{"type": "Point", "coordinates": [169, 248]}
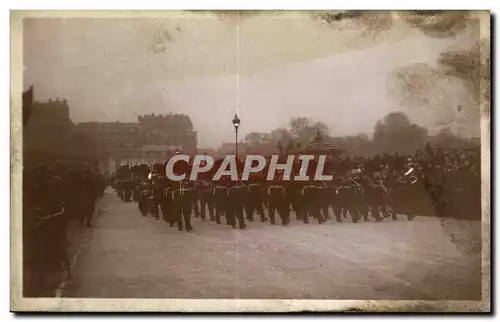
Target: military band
{"type": "Point", "coordinates": [363, 189]}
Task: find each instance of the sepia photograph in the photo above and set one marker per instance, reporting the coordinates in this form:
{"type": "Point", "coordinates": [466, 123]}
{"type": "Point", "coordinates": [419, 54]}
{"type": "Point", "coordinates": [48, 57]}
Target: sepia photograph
{"type": "Point", "coordinates": [250, 161]}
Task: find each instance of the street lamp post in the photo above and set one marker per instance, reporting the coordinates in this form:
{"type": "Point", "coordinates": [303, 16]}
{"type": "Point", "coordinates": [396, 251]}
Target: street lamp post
{"type": "Point", "coordinates": [236, 123]}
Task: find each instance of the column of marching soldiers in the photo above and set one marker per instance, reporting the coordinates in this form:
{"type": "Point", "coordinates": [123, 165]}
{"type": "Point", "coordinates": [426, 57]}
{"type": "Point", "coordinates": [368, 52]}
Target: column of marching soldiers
{"type": "Point", "coordinates": [434, 181]}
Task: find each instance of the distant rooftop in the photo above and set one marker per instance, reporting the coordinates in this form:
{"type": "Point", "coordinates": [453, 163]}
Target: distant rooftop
{"type": "Point", "coordinates": [159, 148]}
{"type": "Point", "coordinates": [109, 123]}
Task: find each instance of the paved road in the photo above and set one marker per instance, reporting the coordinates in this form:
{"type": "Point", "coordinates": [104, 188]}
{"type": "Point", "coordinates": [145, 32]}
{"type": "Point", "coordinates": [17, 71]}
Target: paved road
{"type": "Point", "coordinates": [130, 256]}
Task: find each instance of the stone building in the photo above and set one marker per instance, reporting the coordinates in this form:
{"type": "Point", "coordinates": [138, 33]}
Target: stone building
{"type": "Point", "coordinates": [154, 138]}
{"type": "Point", "coordinates": [50, 137]}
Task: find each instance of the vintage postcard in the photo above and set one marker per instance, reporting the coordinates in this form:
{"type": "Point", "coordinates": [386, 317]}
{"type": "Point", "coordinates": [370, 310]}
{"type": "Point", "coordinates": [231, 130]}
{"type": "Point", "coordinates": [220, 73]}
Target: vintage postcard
{"type": "Point", "coordinates": [250, 161]}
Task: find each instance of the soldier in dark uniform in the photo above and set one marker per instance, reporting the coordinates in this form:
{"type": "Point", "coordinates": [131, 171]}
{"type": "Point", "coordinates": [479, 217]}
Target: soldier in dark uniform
{"type": "Point", "coordinates": [373, 193]}
{"type": "Point", "coordinates": [369, 199]}
{"type": "Point", "coordinates": [195, 197]}
{"type": "Point", "coordinates": [220, 200]}
{"type": "Point", "coordinates": [200, 183]}
{"type": "Point", "coordinates": [205, 193]}
{"type": "Point", "coordinates": [312, 195]}
{"type": "Point", "coordinates": [143, 194]}
{"type": "Point", "coordinates": [133, 171]}
{"type": "Point", "coordinates": [45, 222]}
{"type": "Point", "coordinates": [278, 199]}
{"type": "Point", "coordinates": [294, 190]}
{"type": "Point", "coordinates": [124, 185]}
{"type": "Point", "coordinates": [327, 191]}
{"type": "Point", "coordinates": [140, 174]}
{"type": "Point", "coordinates": [163, 197]}
{"type": "Point", "coordinates": [341, 189]}
{"type": "Point", "coordinates": [182, 197]}
{"type": "Point", "coordinates": [349, 195]}
{"type": "Point", "coordinates": [337, 200]}
{"type": "Point", "coordinates": [128, 187]}
{"type": "Point", "coordinates": [120, 189]}
{"type": "Point", "coordinates": [155, 196]}
{"type": "Point", "coordinates": [235, 200]}
{"type": "Point", "coordinates": [402, 197]}
{"type": "Point", "coordinates": [220, 195]}
{"type": "Point", "coordinates": [135, 188]}
{"type": "Point", "coordinates": [255, 196]}
{"type": "Point", "coordinates": [169, 204]}
{"type": "Point", "coordinates": [183, 204]}
{"type": "Point", "coordinates": [301, 196]}
{"type": "Point", "coordinates": [85, 190]}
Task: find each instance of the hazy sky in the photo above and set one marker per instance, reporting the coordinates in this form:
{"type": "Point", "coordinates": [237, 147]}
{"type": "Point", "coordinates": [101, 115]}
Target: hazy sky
{"type": "Point", "coordinates": [287, 65]}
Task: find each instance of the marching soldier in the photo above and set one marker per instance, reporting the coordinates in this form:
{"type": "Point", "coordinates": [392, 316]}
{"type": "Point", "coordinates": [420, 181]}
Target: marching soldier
{"type": "Point", "coordinates": [255, 196]}
{"type": "Point", "coordinates": [220, 195]}
{"type": "Point", "coordinates": [235, 201]}
{"type": "Point", "coordinates": [86, 193]}
{"type": "Point", "coordinates": [311, 196]}
{"type": "Point", "coordinates": [294, 190]}
{"type": "Point", "coordinates": [154, 198]}
{"type": "Point", "coordinates": [143, 194]}
{"type": "Point", "coordinates": [135, 188]}
{"type": "Point", "coordinates": [369, 198]}
{"type": "Point", "coordinates": [205, 193]}
{"type": "Point", "coordinates": [183, 199]}
{"type": "Point", "coordinates": [354, 198]}
{"type": "Point", "coordinates": [127, 187]}
{"type": "Point", "coordinates": [220, 200]}
{"type": "Point", "coordinates": [278, 199]}
{"type": "Point", "coordinates": [339, 198]}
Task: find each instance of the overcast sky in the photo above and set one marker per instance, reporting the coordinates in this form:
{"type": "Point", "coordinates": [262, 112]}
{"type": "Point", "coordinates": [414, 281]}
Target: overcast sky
{"type": "Point", "coordinates": [288, 65]}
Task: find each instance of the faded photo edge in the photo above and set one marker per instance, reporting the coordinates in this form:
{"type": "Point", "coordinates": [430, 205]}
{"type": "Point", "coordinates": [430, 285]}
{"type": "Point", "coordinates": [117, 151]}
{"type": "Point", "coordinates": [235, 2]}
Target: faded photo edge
{"type": "Point", "coordinates": [21, 304]}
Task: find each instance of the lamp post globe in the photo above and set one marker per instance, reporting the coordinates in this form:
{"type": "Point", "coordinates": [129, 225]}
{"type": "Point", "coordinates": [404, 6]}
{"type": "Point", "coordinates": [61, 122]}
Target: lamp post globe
{"type": "Point", "coordinates": [236, 124]}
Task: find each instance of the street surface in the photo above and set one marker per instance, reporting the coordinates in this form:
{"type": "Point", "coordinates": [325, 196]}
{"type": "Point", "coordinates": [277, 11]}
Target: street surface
{"type": "Point", "coordinates": [131, 256]}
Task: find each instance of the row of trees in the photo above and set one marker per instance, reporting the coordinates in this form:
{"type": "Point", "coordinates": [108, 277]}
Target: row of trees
{"type": "Point", "coordinates": [394, 133]}
{"type": "Point", "coordinates": [301, 131]}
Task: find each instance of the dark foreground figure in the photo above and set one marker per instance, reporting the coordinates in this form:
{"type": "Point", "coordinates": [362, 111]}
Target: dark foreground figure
{"type": "Point", "coordinates": [56, 200]}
